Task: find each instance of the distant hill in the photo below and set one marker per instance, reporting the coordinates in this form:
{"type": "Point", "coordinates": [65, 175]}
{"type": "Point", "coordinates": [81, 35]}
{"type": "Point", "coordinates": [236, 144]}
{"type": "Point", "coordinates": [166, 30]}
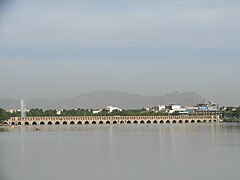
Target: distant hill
{"type": "Point", "coordinates": [101, 99]}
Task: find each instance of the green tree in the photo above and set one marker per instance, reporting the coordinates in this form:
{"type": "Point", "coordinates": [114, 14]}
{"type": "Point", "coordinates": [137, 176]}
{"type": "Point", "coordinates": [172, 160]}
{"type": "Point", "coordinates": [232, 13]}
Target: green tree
{"type": "Point", "coordinates": [50, 112]}
{"type": "Point", "coordinates": [4, 115]}
{"type": "Point", "coordinates": [35, 112]}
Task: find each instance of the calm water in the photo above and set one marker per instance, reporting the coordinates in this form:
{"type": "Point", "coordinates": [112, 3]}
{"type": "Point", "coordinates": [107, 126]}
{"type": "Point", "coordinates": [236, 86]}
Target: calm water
{"type": "Point", "coordinates": [130, 152]}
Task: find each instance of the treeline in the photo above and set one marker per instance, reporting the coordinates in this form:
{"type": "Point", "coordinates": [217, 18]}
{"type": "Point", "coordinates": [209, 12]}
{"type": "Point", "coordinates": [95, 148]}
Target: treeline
{"type": "Point", "coordinates": [4, 115]}
{"type": "Point", "coordinates": [230, 112]}
{"type": "Point", "coordinates": [89, 112]}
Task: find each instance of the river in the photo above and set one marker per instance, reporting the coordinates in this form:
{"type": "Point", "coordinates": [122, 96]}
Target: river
{"type": "Point", "coordinates": [121, 152]}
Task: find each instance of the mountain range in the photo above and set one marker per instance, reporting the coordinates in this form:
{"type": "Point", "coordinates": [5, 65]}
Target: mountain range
{"type": "Point", "coordinates": [100, 99]}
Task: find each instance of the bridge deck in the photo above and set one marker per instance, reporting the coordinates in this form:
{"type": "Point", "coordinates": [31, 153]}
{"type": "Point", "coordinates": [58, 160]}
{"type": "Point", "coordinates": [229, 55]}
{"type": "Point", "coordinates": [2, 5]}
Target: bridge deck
{"type": "Point", "coordinates": [64, 120]}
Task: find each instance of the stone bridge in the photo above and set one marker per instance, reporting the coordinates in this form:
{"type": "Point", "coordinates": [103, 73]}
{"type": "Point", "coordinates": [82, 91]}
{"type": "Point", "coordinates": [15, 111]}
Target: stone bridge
{"type": "Point", "coordinates": [78, 120]}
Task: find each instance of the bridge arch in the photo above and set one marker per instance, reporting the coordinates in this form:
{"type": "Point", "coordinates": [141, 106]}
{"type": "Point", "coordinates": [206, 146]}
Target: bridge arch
{"type": "Point", "coordinates": [100, 122]}
{"type": "Point", "coordinates": [114, 122]}
{"type": "Point", "coordinates": [34, 123]}
{"type": "Point", "coordinates": [174, 121]}
{"type": "Point", "coordinates": [180, 121]}
{"type": "Point", "coordinates": [26, 123]}
{"type": "Point", "coordinates": [64, 122]}
{"type": "Point", "coordinates": [72, 122]}
{"type": "Point", "coordinates": [42, 123]}
{"type": "Point", "coordinates": [57, 123]}
{"type": "Point", "coordinates": [148, 122]}
{"type": "Point", "coordinates": [108, 122]}
{"type": "Point", "coordinates": [121, 122]}
{"type": "Point", "coordinates": [135, 122]}
{"type": "Point", "coordinates": [79, 122]}
{"type": "Point", "coordinates": [13, 123]}
{"type": "Point", "coordinates": [86, 122]}
{"type": "Point", "coordinates": [161, 122]}
{"type": "Point", "coordinates": [155, 121]}
{"type": "Point", "coordinates": [142, 122]}
{"type": "Point", "coordinates": [49, 122]}
{"type": "Point", "coordinates": [186, 121]}
{"type": "Point", "coordinates": [128, 122]}
{"type": "Point", "coordinates": [19, 123]}
{"type": "Point", "coordinates": [168, 121]}
{"type": "Point", "coordinates": [192, 121]}
{"type": "Point", "coordinates": [198, 121]}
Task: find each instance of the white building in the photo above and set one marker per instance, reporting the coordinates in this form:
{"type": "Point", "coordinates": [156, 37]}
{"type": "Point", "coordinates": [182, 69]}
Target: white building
{"type": "Point", "coordinates": [96, 111]}
{"type": "Point", "coordinates": [112, 108]}
{"type": "Point", "coordinates": [158, 108]}
{"type": "Point", "coordinates": [176, 108]}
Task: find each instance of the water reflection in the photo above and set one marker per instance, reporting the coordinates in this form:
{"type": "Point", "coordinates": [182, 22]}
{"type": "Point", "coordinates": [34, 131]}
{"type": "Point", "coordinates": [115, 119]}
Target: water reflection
{"type": "Point", "coordinates": [179, 151]}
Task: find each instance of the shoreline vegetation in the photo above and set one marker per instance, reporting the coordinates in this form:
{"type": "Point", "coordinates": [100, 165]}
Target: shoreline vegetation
{"type": "Point", "coordinates": [4, 115]}
{"type": "Point", "coordinates": [231, 120]}
{"type": "Point", "coordinates": [227, 116]}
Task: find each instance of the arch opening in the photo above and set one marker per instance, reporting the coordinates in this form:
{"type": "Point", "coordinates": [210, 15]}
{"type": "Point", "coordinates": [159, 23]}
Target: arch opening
{"type": "Point", "coordinates": [180, 121]}
{"type": "Point", "coordinates": [121, 122]}
{"type": "Point", "coordinates": [142, 122]}
{"type": "Point", "coordinates": [192, 121]}
{"type": "Point", "coordinates": [64, 122]}
{"type": "Point", "coordinates": [79, 122]}
{"type": "Point", "coordinates": [13, 123]}
{"type": "Point", "coordinates": [161, 122]}
{"type": "Point", "coordinates": [19, 123]}
{"type": "Point", "coordinates": [49, 123]}
{"type": "Point", "coordinates": [100, 122]}
{"type": "Point", "coordinates": [72, 122]}
{"type": "Point", "coordinates": [114, 122]}
{"type": "Point", "coordinates": [174, 122]}
{"type": "Point", "coordinates": [168, 121]}
{"type": "Point", "coordinates": [42, 123]}
{"type": "Point", "coordinates": [108, 122]}
{"type": "Point", "coordinates": [128, 122]}
{"type": "Point", "coordinates": [86, 122]}
{"type": "Point", "coordinates": [57, 123]}
{"type": "Point", "coordinates": [94, 122]}
{"type": "Point", "coordinates": [186, 121]}
{"type": "Point", "coordinates": [27, 123]}
{"type": "Point", "coordinates": [148, 122]}
{"type": "Point", "coordinates": [135, 122]}
{"type": "Point", "coordinates": [34, 123]}
{"type": "Point", "coordinates": [155, 122]}
{"type": "Point", "coordinates": [198, 121]}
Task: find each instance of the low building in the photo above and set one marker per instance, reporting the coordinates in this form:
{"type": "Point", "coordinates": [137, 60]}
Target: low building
{"type": "Point", "coordinates": [175, 108]}
{"type": "Point", "coordinates": [112, 108]}
{"type": "Point", "coordinates": [191, 109]}
{"type": "Point", "coordinates": [208, 108]}
{"type": "Point", "coordinates": [96, 111]}
{"type": "Point", "coordinates": [159, 108]}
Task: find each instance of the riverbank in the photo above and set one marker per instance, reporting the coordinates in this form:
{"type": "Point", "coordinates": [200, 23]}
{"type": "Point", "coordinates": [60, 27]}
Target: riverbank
{"type": "Point", "coordinates": [2, 128]}
{"type": "Point", "coordinates": [232, 120]}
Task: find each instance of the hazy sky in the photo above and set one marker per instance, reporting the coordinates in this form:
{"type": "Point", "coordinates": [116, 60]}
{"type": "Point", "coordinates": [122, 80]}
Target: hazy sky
{"type": "Point", "coordinates": [62, 48]}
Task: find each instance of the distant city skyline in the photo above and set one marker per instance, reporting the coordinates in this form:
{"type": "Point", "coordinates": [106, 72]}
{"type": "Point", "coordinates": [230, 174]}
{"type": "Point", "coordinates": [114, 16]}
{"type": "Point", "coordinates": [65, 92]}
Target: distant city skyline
{"type": "Point", "coordinates": [61, 49]}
